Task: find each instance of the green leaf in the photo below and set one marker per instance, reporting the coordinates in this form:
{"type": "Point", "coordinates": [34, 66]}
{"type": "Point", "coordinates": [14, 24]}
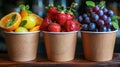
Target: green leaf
{"type": "Point", "coordinates": [23, 23]}
{"type": "Point", "coordinates": [22, 6]}
{"type": "Point", "coordinates": [90, 3]}
{"type": "Point", "coordinates": [115, 17]}
{"type": "Point", "coordinates": [10, 22]}
{"type": "Point", "coordinates": [115, 25]}
{"type": "Point", "coordinates": [101, 4]}
{"type": "Point", "coordinates": [27, 7]}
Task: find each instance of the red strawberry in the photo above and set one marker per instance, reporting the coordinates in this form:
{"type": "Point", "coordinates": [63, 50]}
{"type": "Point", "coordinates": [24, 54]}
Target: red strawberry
{"type": "Point", "coordinates": [52, 12]}
{"type": "Point", "coordinates": [45, 23]}
{"type": "Point", "coordinates": [69, 16]}
{"type": "Point", "coordinates": [54, 27]}
{"type": "Point", "coordinates": [61, 18]}
{"type": "Point", "coordinates": [70, 25]}
{"type": "Point", "coordinates": [77, 25]}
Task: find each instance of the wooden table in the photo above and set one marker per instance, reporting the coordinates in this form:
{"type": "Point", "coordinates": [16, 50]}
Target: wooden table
{"type": "Point", "coordinates": [42, 61]}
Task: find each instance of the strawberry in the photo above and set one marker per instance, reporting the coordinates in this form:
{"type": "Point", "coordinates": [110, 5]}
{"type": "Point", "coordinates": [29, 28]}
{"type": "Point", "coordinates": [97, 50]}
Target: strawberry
{"type": "Point", "coordinates": [45, 23]}
{"type": "Point", "coordinates": [69, 16]}
{"type": "Point", "coordinates": [61, 18]}
{"type": "Point", "coordinates": [77, 25]}
{"type": "Point", "coordinates": [54, 27]}
{"type": "Point", "coordinates": [52, 12]}
{"type": "Point", "coordinates": [70, 25]}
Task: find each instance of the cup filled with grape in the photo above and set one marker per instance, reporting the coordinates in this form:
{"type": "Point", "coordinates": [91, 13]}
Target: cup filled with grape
{"type": "Point", "coordinates": [60, 32]}
{"type": "Point", "coordinates": [98, 31]}
{"type": "Point", "coordinates": [21, 33]}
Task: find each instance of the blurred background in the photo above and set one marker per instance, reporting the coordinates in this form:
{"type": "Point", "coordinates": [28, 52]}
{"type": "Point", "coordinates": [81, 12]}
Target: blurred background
{"type": "Point", "coordinates": [38, 7]}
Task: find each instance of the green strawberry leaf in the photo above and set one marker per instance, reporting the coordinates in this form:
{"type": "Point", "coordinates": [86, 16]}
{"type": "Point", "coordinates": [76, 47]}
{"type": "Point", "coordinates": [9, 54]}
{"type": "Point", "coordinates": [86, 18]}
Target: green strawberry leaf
{"type": "Point", "coordinates": [90, 3]}
{"type": "Point", "coordinates": [115, 24]}
{"type": "Point", "coordinates": [101, 4]}
{"type": "Point", "coordinates": [10, 22]}
{"type": "Point", "coordinates": [115, 17]}
{"type": "Point", "coordinates": [23, 23]}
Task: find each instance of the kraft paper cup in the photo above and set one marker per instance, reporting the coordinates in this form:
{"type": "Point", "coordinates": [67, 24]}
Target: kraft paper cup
{"type": "Point", "coordinates": [22, 46]}
{"type": "Point", "coordinates": [98, 46]}
{"type": "Point", "coordinates": [60, 46]}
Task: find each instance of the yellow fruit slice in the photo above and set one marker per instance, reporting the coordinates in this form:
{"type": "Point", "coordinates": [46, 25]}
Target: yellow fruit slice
{"type": "Point", "coordinates": [38, 19]}
{"type": "Point", "coordinates": [5, 21]}
{"type": "Point", "coordinates": [21, 29]}
{"type": "Point", "coordinates": [23, 13]}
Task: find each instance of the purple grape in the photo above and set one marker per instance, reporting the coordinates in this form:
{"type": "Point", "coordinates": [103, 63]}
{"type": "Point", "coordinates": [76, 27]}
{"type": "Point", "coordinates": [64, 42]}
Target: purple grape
{"type": "Point", "coordinates": [85, 15]}
{"type": "Point", "coordinates": [109, 19]}
{"type": "Point", "coordinates": [92, 26]}
{"type": "Point", "coordinates": [105, 10]}
{"type": "Point", "coordinates": [103, 29]}
{"type": "Point", "coordinates": [110, 13]}
{"type": "Point", "coordinates": [100, 12]}
{"type": "Point", "coordinates": [80, 18]}
{"type": "Point", "coordinates": [109, 29]}
{"type": "Point", "coordinates": [95, 9]}
{"type": "Point", "coordinates": [108, 24]}
{"type": "Point", "coordinates": [100, 22]}
{"type": "Point", "coordinates": [104, 17]}
{"type": "Point", "coordinates": [96, 30]}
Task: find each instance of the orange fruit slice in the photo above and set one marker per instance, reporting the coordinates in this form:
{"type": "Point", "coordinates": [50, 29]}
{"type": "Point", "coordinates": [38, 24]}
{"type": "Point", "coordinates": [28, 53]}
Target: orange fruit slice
{"type": "Point", "coordinates": [36, 28]}
{"type": "Point", "coordinates": [38, 19]}
{"type": "Point", "coordinates": [23, 13]}
{"type": "Point", "coordinates": [5, 21]}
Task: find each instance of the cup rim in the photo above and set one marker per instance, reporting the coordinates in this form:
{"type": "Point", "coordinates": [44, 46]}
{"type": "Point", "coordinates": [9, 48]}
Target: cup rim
{"type": "Point", "coordinates": [59, 32]}
{"type": "Point", "coordinates": [21, 32]}
{"type": "Point", "coordinates": [98, 32]}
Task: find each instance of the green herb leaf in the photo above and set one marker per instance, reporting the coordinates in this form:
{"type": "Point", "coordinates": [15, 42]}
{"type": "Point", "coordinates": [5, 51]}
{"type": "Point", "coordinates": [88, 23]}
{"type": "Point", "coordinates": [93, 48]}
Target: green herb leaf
{"type": "Point", "coordinates": [22, 6]}
{"type": "Point", "coordinates": [23, 23]}
{"type": "Point", "coordinates": [115, 17]}
{"type": "Point", "coordinates": [10, 22]}
{"type": "Point", "coordinates": [115, 25]}
{"type": "Point", "coordinates": [101, 4]}
{"type": "Point", "coordinates": [90, 3]}
{"type": "Point", "coordinates": [27, 7]}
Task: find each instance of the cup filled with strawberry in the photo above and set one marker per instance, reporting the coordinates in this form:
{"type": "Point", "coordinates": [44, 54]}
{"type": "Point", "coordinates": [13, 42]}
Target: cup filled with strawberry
{"type": "Point", "coordinates": [98, 31]}
{"type": "Point", "coordinates": [60, 32]}
{"type": "Point", "coordinates": [21, 33]}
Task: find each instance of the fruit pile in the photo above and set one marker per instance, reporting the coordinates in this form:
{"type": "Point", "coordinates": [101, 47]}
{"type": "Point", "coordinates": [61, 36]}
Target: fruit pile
{"type": "Point", "coordinates": [25, 21]}
{"type": "Point", "coordinates": [98, 18]}
{"type": "Point", "coordinates": [60, 19]}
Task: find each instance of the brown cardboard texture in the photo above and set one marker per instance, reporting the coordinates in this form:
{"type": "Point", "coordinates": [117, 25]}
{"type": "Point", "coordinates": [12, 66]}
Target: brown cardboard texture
{"type": "Point", "coordinates": [98, 46]}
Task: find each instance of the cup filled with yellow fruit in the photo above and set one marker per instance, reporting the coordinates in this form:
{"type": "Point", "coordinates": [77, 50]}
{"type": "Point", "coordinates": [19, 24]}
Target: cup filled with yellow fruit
{"type": "Point", "coordinates": [21, 33]}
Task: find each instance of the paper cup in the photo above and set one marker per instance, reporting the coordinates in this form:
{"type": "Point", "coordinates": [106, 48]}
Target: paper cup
{"type": "Point", "coordinates": [60, 46]}
{"type": "Point", "coordinates": [22, 46]}
{"type": "Point", "coordinates": [98, 46]}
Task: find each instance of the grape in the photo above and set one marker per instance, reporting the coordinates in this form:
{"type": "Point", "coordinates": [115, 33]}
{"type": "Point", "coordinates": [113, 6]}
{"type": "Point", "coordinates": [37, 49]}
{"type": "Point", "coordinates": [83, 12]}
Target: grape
{"type": "Point", "coordinates": [95, 17]}
{"type": "Point", "coordinates": [100, 22]}
{"type": "Point", "coordinates": [103, 29]}
{"type": "Point", "coordinates": [108, 24]}
{"type": "Point", "coordinates": [85, 27]}
{"type": "Point", "coordinates": [108, 19]}
{"type": "Point", "coordinates": [105, 10]}
{"type": "Point", "coordinates": [108, 29]}
{"type": "Point", "coordinates": [92, 26]}
{"type": "Point", "coordinates": [104, 17]}
{"type": "Point", "coordinates": [80, 18]}
{"type": "Point", "coordinates": [100, 13]}
{"type": "Point", "coordinates": [110, 13]}
{"type": "Point", "coordinates": [96, 30]}
{"type": "Point", "coordinates": [87, 20]}
{"type": "Point", "coordinates": [85, 15]}
{"type": "Point", "coordinates": [95, 9]}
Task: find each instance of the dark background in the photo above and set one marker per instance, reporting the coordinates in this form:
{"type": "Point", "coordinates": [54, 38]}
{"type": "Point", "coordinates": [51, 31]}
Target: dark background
{"type": "Point", "coordinates": [38, 7]}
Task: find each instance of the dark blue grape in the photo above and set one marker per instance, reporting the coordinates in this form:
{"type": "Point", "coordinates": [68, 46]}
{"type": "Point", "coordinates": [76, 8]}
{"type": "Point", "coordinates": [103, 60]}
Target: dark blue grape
{"type": "Point", "coordinates": [100, 22]}
{"type": "Point", "coordinates": [109, 29]}
{"type": "Point", "coordinates": [85, 15]}
{"type": "Point", "coordinates": [104, 17]}
{"type": "Point", "coordinates": [100, 13]}
{"type": "Point", "coordinates": [85, 27]}
{"type": "Point", "coordinates": [109, 19]}
{"type": "Point", "coordinates": [96, 30]}
{"type": "Point", "coordinates": [92, 26]}
{"type": "Point", "coordinates": [87, 20]}
{"type": "Point", "coordinates": [108, 24]}
{"type": "Point", "coordinates": [103, 29]}
{"type": "Point", "coordinates": [80, 18]}
{"type": "Point", "coordinates": [94, 17]}
{"type": "Point", "coordinates": [105, 10]}
{"type": "Point", "coordinates": [110, 13]}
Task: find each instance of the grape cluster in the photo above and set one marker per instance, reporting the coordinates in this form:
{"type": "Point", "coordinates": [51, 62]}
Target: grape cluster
{"type": "Point", "coordinates": [97, 19]}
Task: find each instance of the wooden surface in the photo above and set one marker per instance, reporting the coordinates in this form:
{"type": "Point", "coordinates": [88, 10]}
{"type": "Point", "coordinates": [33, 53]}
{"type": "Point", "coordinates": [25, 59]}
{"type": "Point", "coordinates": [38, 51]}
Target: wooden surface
{"type": "Point", "coordinates": [42, 61]}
